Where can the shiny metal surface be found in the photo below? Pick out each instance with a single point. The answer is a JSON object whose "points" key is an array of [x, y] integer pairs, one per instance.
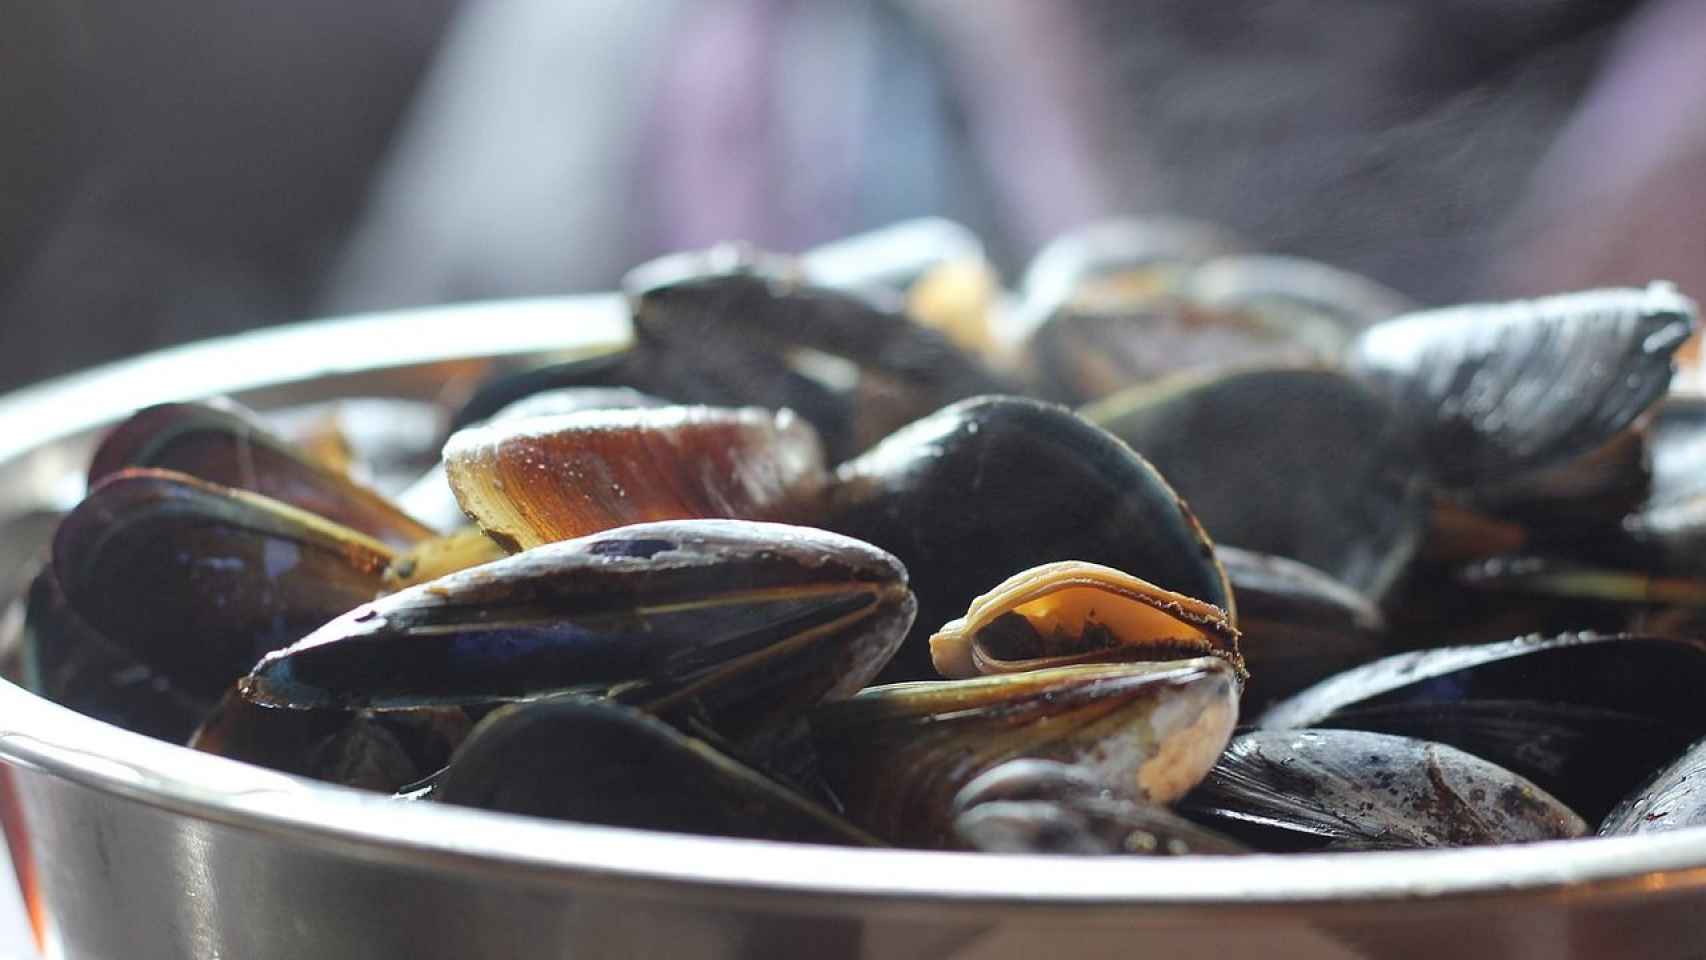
{"points": [[130, 847]]}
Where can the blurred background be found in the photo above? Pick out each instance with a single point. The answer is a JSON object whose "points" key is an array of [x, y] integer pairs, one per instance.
{"points": [[183, 168]]}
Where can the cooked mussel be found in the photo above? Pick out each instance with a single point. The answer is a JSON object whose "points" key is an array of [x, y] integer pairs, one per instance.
{"points": [[1076, 612], [739, 623], [1283, 790], [898, 755], [1305, 464], [196, 581], [539, 480], [1673, 798], [71, 663], [1498, 390], [1040, 806], [594, 761], [1584, 716], [989, 487], [753, 322], [225, 446]]}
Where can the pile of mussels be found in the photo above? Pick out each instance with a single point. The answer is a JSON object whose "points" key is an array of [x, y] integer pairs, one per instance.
{"points": [[850, 548]]}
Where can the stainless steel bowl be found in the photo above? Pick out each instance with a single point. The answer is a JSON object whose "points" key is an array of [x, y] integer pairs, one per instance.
{"points": [[127, 847]]}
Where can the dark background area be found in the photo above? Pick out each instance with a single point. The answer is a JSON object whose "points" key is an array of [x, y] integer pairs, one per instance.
{"points": [[182, 168]]}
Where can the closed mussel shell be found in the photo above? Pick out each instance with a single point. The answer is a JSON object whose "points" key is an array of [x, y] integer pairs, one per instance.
{"points": [[987, 488], [1584, 716], [1345, 789], [1498, 390], [898, 755], [225, 446], [593, 761], [1305, 464], [745, 623], [539, 480], [197, 582]]}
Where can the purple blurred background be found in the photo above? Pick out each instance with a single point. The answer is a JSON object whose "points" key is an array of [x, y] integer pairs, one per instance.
{"points": [[177, 169]]}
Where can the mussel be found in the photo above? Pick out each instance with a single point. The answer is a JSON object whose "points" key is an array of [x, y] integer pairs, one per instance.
{"points": [[196, 582], [576, 758], [1673, 798], [741, 624], [1498, 390], [1586, 717], [1350, 790], [1334, 453], [538, 480], [898, 755], [226, 446], [1046, 485]]}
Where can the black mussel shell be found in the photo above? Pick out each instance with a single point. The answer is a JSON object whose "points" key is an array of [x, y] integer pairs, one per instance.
{"points": [[751, 317], [1498, 390], [988, 487], [198, 582], [1673, 798], [1039, 806], [383, 752], [742, 623], [1283, 790], [1297, 624], [898, 755], [593, 761], [69, 662], [225, 446], [1584, 716], [1305, 464]]}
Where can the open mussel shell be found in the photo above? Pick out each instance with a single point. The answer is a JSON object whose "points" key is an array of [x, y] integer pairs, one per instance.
{"points": [[1296, 624], [1047, 485], [898, 755], [543, 479], [383, 752], [197, 581], [1240, 445], [593, 761], [894, 258], [1497, 390], [224, 446], [1673, 798], [741, 623], [1584, 716], [1040, 806], [69, 662], [1347, 789], [1075, 612]]}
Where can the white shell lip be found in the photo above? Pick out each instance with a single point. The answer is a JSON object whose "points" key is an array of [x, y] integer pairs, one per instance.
{"points": [[953, 650]]}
